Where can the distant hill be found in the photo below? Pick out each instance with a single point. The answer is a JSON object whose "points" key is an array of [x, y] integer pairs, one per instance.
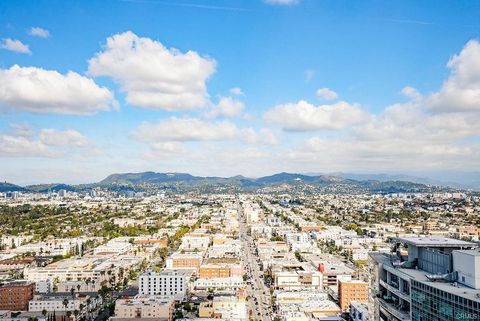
{"points": [[8, 187], [148, 177], [389, 178], [45, 188], [183, 181], [281, 183]]}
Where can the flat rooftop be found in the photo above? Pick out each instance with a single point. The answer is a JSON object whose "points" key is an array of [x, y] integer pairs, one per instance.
{"points": [[434, 241], [419, 275]]}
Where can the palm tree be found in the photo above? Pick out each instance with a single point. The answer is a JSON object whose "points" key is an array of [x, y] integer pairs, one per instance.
{"points": [[89, 302], [65, 303]]}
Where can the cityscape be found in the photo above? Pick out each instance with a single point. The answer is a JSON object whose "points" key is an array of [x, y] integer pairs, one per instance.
{"points": [[239, 160]]}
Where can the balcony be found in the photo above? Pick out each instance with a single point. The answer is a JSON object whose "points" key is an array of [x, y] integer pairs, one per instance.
{"points": [[392, 309], [395, 291]]}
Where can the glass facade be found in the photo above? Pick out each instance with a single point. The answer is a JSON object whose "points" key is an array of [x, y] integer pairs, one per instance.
{"points": [[432, 304]]}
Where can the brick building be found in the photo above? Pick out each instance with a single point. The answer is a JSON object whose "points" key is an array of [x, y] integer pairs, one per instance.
{"points": [[15, 295]]}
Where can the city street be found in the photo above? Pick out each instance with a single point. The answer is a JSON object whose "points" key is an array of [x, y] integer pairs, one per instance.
{"points": [[259, 294]]}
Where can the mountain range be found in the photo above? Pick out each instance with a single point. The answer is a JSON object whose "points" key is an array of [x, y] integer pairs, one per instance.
{"points": [[281, 182]]}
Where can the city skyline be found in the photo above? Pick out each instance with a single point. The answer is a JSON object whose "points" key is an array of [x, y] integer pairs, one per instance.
{"points": [[242, 87]]}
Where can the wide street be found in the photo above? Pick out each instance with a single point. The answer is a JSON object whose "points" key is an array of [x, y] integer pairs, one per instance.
{"points": [[259, 293]]}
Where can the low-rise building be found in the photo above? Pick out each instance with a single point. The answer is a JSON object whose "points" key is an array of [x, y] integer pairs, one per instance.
{"points": [[144, 307]]}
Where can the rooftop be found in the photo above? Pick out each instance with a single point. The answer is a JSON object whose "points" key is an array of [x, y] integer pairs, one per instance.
{"points": [[419, 275], [434, 241]]}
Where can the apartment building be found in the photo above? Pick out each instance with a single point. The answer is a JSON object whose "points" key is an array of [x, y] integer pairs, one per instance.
{"points": [[144, 307], [427, 278], [353, 290], [166, 283], [56, 303], [15, 295], [184, 261]]}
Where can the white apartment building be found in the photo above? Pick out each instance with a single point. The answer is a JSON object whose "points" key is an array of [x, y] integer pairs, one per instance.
{"points": [[231, 283], [166, 283], [44, 286], [55, 303], [118, 245], [195, 243]]}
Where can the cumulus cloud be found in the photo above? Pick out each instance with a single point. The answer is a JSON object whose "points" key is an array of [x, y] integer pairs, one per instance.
{"points": [[23, 142], [39, 32], [326, 93], [432, 131], [152, 75], [15, 46], [36, 90], [20, 146], [461, 91], [73, 138], [227, 107], [303, 116], [166, 137], [186, 129], [165, 150]]}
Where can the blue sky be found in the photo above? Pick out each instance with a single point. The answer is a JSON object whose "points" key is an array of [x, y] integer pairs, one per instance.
{"points": [[277, 54]]}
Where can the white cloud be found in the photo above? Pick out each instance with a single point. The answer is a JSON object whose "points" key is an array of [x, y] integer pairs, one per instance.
{"points": [[185, 129], [166, 138], [281, 2], [168, 147], [403, 137], [461, 91], [165, 150], [267, 137], [36, 90], [411, 93], [152, 75], [303, 116], [326, 93], [433, 131], [237, 91], [20, 146], [16, 46], [69, 137], [48, 143], [227, 107], [39, 32]]}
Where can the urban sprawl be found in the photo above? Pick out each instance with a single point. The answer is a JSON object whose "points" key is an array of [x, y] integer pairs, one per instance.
{"points": [[99, 255]]}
